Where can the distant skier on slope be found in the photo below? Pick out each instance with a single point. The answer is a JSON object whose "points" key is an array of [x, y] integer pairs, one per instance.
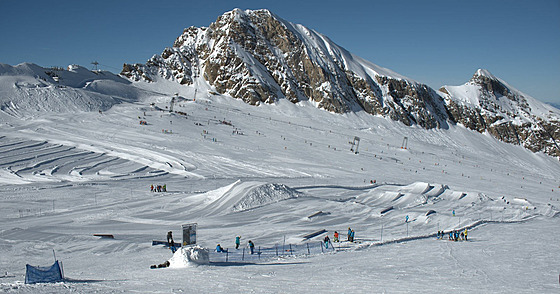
{"points": [[465, 232], [349, 234], [336, 236]]}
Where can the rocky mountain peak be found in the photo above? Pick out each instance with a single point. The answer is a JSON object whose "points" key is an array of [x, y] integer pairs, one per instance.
{"points": [[258, 57]]}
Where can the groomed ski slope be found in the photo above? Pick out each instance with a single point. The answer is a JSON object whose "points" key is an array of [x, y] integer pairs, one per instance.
{"points": [[260, 172]]}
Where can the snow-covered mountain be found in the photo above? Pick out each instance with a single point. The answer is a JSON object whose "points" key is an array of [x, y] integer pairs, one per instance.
{"points": [[488, 104], [258, 57]]}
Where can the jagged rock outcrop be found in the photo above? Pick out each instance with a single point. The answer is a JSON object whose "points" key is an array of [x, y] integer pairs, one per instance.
{"points": [[260, 58], [488, 104]]}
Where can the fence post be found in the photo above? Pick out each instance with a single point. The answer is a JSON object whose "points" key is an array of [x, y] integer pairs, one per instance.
{"points": [[308, 249], [276, 249], [322, 250], [227, 254], [243, 256], [291, 252], [259, 253]]}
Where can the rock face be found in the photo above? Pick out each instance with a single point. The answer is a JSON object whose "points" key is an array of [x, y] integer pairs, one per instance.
{"points": [[260, 58], [488, 104]]}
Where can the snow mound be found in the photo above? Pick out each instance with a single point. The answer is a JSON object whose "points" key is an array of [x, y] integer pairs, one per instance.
{"points": [[241, 196], [418, 193], [188, 256], [265, 194]]}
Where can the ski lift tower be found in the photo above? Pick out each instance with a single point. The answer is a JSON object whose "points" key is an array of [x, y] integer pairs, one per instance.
{"points": [[355, 143], [404, 144], [95, 63]]}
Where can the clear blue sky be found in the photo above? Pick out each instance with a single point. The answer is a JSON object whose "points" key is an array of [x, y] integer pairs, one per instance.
{"points": [[434, 42]]}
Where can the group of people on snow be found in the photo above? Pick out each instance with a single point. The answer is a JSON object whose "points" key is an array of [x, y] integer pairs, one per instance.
{"points": [[158, 188], [250, 245], [454, 235], [350, 235]]}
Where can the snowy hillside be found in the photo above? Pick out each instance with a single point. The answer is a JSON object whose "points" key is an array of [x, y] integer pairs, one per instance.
{"points": [[258, 57], [28, 88], [272, 174]]}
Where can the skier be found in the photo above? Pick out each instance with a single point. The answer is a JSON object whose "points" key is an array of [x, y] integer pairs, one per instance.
{"points": [[349, 234], [327, 240], [152, 188], [450, 235], [165, 188], [465, 232], [237, 242], [251, 246], [336, 236], [352, 236]]}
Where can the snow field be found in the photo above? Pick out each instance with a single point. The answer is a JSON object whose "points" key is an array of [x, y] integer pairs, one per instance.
{"points": [[67, 176]]}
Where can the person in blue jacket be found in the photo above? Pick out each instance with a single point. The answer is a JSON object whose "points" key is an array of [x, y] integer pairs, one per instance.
{"points": [[237, 242], [251, 246], [349, 234], [220, 249]]}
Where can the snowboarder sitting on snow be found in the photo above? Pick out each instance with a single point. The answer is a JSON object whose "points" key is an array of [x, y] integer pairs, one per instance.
{"points": [[251, 246], [220, 249]]}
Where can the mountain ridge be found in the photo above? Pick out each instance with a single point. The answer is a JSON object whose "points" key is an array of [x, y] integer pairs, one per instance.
{"points": [[258, 57]]}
